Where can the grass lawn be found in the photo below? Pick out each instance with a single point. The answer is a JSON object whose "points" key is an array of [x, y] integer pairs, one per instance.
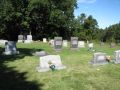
{"points": [[19, 72]]}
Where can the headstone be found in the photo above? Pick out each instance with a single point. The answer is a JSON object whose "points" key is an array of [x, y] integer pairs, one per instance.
{"points": [[44, 40], [51, 42], [74, 43], [47, 61], [58, 43], [81, 44], [112, 45], [10, 48], [101, 43], [2, 42], [99, 59], [117, 56], [20, 38], [29, 39], [40, 53], [65, 43], [90, 46]]}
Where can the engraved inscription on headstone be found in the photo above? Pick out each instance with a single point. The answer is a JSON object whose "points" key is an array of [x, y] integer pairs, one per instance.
{"points": [[45, 62], [117, 56], [57, 43], [99, 59], [74, 42]]}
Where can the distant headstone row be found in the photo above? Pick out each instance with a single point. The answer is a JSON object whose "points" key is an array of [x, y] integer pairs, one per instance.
{"points": [[25, 38]]}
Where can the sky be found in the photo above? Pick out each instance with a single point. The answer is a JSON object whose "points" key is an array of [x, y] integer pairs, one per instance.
{"points": [[106, 12]]}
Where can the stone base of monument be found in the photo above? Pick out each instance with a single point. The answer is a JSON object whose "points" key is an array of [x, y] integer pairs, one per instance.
{"points": [[11, 52], [47, 61], [99, 59], [27, 41], [20, 41]]}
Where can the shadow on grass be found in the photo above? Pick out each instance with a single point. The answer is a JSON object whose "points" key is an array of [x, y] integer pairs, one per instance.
{"points": [[11, 79]]}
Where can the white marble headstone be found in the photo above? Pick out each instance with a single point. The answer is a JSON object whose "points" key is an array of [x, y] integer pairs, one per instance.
{"points": [[65, 43], [54, 59], [44, 40], [2, 42], [29, 39], [117, 56], [81, 44]]}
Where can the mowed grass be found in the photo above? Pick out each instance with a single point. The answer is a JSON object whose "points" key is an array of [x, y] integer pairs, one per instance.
{"points": [[79, 74]]}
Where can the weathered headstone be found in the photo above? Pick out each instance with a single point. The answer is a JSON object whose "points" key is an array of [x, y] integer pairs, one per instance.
{"points": [[40, 53], [90, 47], [47, 61], [74, 43], [117, 56], [99, 59], [81, 44], [2, 42], [58, 43], [44, 40], [29, 39], [112, 45], [51, 42], [10, 48], [20, 38], [65, 43], [101, 43]]}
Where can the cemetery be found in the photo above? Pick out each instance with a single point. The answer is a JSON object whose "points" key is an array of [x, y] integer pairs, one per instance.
{"points": [[59, 45], [66, 66]]}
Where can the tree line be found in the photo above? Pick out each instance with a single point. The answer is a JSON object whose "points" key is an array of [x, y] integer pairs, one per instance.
{"points": [[49, 18]]}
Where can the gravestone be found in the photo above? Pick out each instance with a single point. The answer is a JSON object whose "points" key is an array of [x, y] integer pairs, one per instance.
{"points": [[90, 47], [29, 39], [117, 56], [58, 43], [40, 53], [2, 42], [65, 43], [48, 60], [10, 48], [81, 44], [112, 45], [20, 38], [74, 43], [101, 43], [51, 42], [99, 59], [44, 40]]}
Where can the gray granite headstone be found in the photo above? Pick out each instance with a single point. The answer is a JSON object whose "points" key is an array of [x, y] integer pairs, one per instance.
{"points": [[58, 43], [117, 56], [40, 53], [46, 61], [74, 43], [10, 48], [20, 38], [99, 59]]}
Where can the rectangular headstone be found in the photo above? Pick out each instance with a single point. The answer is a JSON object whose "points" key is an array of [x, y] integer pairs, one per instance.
{"points": [[10, 48], [90, 46], [81, 44], [99, 59], [44, 40], [65, 43], [46, 61], [58, 43], [29, 39], [2, 42], [74, 43], [20, 38], [117, 56]]}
